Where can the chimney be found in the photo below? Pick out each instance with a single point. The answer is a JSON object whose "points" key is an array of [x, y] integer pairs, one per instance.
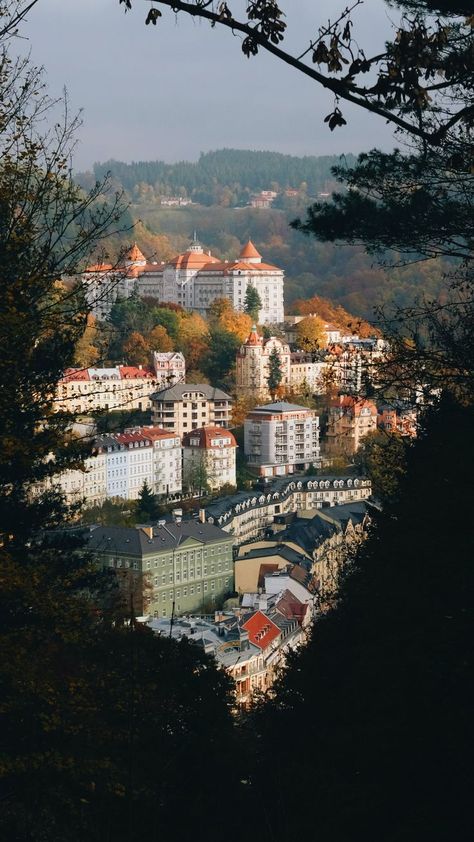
{"points": [[177, 515], [202, 516]]}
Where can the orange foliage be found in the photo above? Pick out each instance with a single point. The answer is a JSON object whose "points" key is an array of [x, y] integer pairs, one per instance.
{"points": [[310, 333], [334, 314], [136, 349], [159, 339]]}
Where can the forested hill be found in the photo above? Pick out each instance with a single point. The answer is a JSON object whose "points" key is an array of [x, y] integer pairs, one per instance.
{"points": [[219, 186], [240, 171]]}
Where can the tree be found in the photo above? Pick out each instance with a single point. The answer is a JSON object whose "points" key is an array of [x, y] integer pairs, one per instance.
{"points": [[275, 373], [219, 361], [420, 82], [86, 352], [136, 350], [76, 670], [310, 334], [159, 340], [252, 303], [147, 505], [386, 669], [382, 456]]}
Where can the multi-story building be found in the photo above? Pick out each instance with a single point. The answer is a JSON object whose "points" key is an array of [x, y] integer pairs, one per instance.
{"points": [[84, 390], [209, 458], [169, 367], [398, 418], [183, 566], [120, 465], [248, 514], [298, 368], [350, 419], [193, 279], [281, 438], [187, 406]]}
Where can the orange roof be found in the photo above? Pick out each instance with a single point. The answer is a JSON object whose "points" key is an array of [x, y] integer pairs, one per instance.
{"points": [[157, 433], [76, 374], [206, 435], [192, 259], [249, 250], [132, 372], [262, 631], [134, 254], [99, 267], [235, 265], [254, 338]]}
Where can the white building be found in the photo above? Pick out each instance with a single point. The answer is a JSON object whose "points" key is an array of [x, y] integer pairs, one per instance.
{"points": [[280, 438], [187, 406], [193, 279], [209, 452], [298, 368], [169, 367]]}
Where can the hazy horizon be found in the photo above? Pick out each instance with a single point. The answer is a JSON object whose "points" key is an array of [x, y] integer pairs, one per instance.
{"points": [[178, 89]]}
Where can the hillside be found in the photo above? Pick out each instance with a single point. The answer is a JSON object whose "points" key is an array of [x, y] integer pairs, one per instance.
{"points": [[219, 184]]}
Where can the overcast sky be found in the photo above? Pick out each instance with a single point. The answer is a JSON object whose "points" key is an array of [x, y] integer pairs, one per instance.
{"points": [[171, 91]]}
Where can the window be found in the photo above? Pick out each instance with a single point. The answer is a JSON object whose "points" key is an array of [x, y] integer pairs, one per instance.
{"points": [[213, 585], [178, 594], [198, 588], [185, 591], [205, 587]]}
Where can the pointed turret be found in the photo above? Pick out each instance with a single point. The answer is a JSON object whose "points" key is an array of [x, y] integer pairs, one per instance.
{"points": [[249, 253]]}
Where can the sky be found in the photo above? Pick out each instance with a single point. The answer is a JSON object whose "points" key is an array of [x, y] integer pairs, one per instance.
{"points": [[181, 88]]}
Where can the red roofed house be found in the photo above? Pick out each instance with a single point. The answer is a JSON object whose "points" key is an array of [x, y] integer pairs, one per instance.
{"points": [[350, 419], [209, 458], [263, 632]]}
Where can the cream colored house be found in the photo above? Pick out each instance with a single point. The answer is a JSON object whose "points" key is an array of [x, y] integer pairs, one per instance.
{"points": [[188, 406]]}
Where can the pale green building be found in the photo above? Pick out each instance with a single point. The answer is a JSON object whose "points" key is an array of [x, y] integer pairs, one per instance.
{"points": [[189, 563]]}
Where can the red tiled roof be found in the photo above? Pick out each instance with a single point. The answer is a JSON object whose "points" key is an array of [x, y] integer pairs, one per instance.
{"points": [[249, 250], [76, 374], [254, 338], [99, 267], [192, 260], [262, 631], [134, 253], [157, 433], [133, 372], [130, 438], [291, 607], [207, 434]]}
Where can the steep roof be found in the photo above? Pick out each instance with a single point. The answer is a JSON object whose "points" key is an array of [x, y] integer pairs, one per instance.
{"points": [[249, 250], [262, 631], [134, 254]]}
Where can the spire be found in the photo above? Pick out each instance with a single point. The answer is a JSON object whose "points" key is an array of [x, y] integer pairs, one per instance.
{"points": [[195, 246], [250, 254]]}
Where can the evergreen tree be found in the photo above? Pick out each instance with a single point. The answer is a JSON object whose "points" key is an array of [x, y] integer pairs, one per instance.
{"points": [[147, 505], [275, 373], [252, 302]]}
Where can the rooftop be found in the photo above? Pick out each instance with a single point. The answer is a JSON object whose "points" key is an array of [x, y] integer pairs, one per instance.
{"points": [[135, 541]]}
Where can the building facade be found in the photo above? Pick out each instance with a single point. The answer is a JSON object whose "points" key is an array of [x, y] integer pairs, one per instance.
{"points": [[350, 419], [188, 406], [181, 566], [247, 515], [193, 279], [298, 368], [281, 438], [209, 458]]}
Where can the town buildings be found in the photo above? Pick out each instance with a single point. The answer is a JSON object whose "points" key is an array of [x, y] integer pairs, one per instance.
{"points": [[122, 463], [350, 419], [299, 369], [247, 515], [281, 438], [193, 279], [122, 387], [180, 567], [187, 406], [209, 459]]}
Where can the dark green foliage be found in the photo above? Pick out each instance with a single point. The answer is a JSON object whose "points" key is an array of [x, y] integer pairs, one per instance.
{"points": [[240, 170], [115, 422], [252, 302], [382, 456], [148, 507], [275, 373], [383, 690], [220, 358]]}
